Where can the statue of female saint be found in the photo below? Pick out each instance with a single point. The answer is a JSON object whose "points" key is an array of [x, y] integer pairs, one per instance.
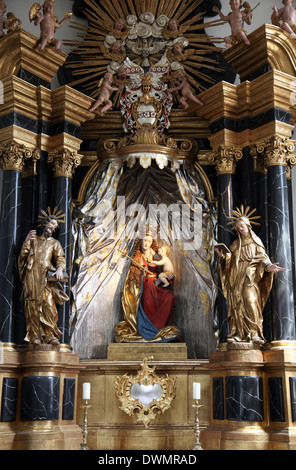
{"points": [[147, 307], [246, 274]]}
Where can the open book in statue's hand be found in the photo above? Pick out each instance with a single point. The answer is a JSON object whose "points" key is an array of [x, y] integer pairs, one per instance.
{"points": [[222, 247]]}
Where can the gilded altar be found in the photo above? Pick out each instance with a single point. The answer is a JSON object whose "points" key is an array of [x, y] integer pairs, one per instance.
{"points": [[147, 136]]}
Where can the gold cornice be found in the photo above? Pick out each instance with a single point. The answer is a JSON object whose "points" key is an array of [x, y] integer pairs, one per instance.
{"points": [[18, 51], [19, 96], [71, 105], [270, 45], [19, 135], [248, 99], [61, 141]]}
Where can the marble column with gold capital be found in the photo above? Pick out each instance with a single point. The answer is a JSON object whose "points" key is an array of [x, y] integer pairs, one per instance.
{"points": [[224, 158], [277, 152], [64, 163], [13, 157]]}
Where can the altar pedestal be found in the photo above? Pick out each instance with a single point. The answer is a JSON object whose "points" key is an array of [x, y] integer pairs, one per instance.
{"points": [[252, 399], [38, 398], [159, 351]]}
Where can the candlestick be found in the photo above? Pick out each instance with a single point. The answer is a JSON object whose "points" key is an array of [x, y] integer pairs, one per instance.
{"points": [[83, 445], [197, 444]]}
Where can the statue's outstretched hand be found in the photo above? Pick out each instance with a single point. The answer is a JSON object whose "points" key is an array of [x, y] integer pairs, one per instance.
{"points": [[274, 268]]}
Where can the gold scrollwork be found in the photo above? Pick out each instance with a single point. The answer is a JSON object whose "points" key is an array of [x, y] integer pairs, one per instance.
{"points": [[14, 155], [64, 162], [276, 151], [145, 395], [225, 158]]}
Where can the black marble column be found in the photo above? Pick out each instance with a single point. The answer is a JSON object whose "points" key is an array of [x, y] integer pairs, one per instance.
{"points": [[282, 296], [10, 244], [260, 203], [225, 159], [292, 232], [225, 235], [64, 164], [62, 199]]}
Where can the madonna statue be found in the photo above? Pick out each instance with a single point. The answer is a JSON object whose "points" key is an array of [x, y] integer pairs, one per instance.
{"points": [[147, 307]]}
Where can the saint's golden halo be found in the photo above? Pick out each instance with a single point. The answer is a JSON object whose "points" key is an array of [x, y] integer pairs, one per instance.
{"points": [[56, 214], [240, 212]]}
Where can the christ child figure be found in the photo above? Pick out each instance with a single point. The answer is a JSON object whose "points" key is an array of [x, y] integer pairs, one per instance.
{"points": [[185, 89], [48, 25], [236, 21], [288, 16], [167, 266]]}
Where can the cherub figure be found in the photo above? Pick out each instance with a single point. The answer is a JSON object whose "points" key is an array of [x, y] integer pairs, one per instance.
{"points": [[236, 20], [105, 93], [119, 30], [115, 52], [178, 53], [172, 30], [184, 87], [48, 24], [167, 266], [287, 15]]}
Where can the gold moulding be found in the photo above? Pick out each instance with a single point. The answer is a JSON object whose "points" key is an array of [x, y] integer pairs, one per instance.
{"points": [[148, 141], [18, 51]]}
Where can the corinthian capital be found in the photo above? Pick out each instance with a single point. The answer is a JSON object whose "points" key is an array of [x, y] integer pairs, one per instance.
{"points": [[64, 162], [13, 156], [225, 158], [276, 151]]}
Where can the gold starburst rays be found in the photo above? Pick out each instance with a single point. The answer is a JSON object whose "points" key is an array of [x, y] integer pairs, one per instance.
{"points": [[243, 212], [56, 214], [90, 56]]}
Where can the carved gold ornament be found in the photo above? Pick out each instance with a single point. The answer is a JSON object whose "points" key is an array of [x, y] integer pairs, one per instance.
{"points": [[64, 162], [14, 155], [276, 151], [225, 158], [145, 395]]}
